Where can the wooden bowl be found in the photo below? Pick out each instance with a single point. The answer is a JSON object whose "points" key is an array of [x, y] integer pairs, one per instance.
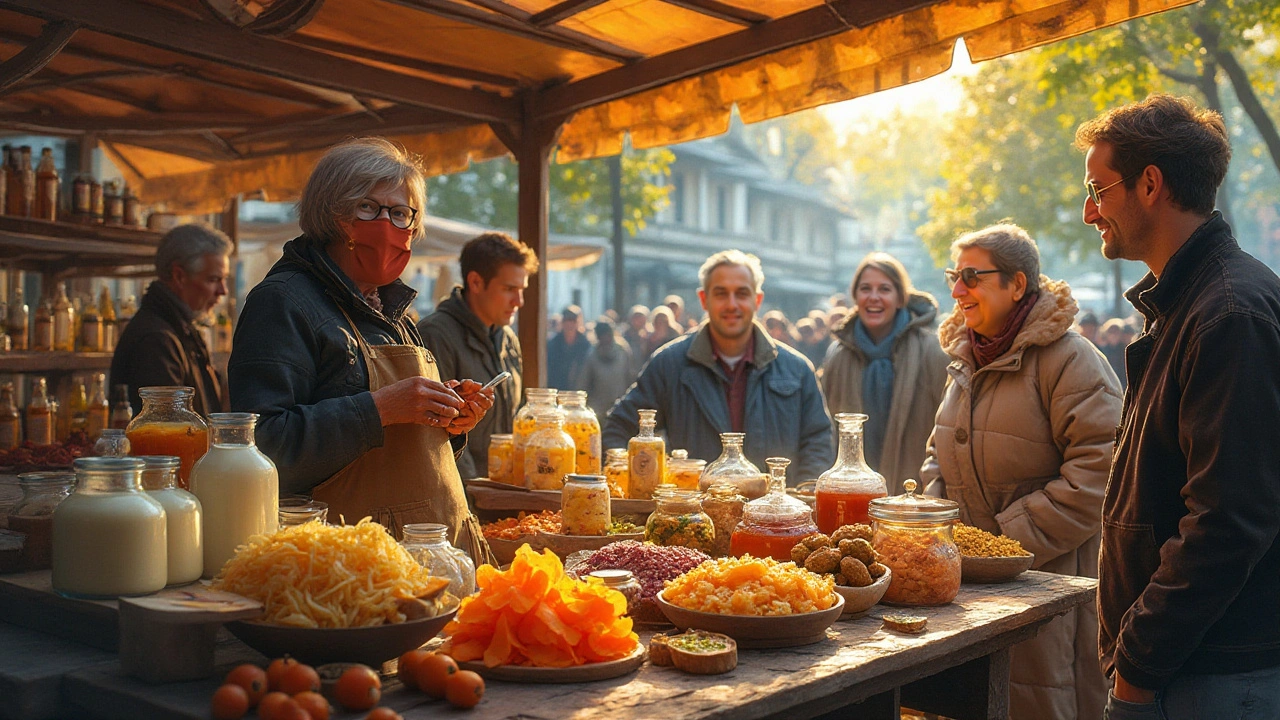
{"points": [[758, 631], [860, 599], [994, 570], [371, 646], [565, 545]]}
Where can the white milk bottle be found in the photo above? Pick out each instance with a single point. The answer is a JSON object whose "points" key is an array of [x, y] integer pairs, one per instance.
{"points": [[182, 511], [109, 537], [238, 488]]}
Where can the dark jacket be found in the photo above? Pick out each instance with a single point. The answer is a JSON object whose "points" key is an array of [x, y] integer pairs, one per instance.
{"points": [[465, 348], [1190, 567], [785, 415], [296, 364], [565, 360], [161, 346]]}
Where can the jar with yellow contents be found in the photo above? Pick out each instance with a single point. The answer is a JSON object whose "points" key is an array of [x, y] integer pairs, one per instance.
{"points": [[501, 449], [647, 458], [683, 471], [537, 400], [583, 426], [584, 505], [617, 472], [549, 454]]}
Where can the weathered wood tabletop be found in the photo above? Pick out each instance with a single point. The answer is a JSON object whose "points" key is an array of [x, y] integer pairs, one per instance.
{"points": [[958, 668]]}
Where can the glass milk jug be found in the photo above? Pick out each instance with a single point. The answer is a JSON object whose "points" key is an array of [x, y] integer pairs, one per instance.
{"points": [[182, 514], [844, 491], [238, 487]]}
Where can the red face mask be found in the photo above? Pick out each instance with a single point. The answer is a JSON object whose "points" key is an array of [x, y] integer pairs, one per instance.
{"points": [[381, 250]]}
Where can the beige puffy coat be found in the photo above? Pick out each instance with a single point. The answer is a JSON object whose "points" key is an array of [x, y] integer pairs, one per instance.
{"points": [[1024, 445]]}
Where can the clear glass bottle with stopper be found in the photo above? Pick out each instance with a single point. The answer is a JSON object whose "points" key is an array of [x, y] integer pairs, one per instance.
{"points": [[773, 524], [844, 492], [734, 468], [647, 458]]}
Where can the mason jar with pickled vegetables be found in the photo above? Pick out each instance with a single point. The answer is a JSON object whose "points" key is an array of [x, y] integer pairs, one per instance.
{"points": [[501, 449], [549, 454], [538, 401], [584, 505], [913, 537], [583, 426]]}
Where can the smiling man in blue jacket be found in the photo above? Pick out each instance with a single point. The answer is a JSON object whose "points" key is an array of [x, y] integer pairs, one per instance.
{"points": [[730, 376]]}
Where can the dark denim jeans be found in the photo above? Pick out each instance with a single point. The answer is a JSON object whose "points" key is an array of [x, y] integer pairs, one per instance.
{"points": [[1244, 696]]}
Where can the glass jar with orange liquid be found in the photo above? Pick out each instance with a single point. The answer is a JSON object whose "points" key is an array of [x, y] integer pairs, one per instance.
{"points": [[844, 491], [525, 424], [168, 425], [773, 524], [583, 426]]}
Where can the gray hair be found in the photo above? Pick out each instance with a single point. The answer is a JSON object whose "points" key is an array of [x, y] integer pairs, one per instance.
{"points": [[1012, 251], [732, 257], [348, 173], [187, 245]]}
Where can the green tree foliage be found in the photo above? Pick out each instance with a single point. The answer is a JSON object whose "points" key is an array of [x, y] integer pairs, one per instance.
{"points": [[485, 193]]}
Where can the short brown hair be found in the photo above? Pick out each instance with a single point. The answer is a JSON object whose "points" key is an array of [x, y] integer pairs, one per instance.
{"points": [[486, 254], [891, 267], [1189, 146]]}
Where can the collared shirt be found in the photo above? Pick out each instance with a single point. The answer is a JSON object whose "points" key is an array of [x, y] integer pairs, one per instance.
{"points": [[736, 384]]}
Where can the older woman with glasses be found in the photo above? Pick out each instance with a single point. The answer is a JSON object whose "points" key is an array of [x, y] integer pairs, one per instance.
{"points": [[1022, 441], [352, 408]]}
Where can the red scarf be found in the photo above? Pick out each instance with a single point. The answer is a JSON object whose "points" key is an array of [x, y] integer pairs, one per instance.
{"points": [[987, 349]]}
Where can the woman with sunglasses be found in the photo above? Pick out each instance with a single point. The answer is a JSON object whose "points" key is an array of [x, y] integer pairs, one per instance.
{"points": [[886, 362], [1023, 442], [352, 408]]}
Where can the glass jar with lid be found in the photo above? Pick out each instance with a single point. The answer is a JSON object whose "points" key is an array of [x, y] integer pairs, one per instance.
{"points": [[646, 458], [584, 505], [733, 466], [844, 492], [109, 537], [724, 506], [622, 581], [238, 487], [113, 443], [501, 447], [168, 425], [549, 453], [428, 545], [679, 521], [773, 524], [617, 472], [913, 536], [583, 426], [42, 492], [185, 536], [538, 401], [683, 471], [300, 509]]}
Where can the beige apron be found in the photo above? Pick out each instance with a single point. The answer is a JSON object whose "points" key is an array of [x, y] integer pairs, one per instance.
{"points": [[413, 477]]}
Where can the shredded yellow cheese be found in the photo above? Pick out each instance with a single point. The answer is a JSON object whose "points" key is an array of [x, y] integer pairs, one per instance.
{"points": [[320, 576]]}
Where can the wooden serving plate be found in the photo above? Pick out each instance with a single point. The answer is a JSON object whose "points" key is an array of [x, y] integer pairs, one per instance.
{"points": [[758, 631], [994, 570], [577, 674]]}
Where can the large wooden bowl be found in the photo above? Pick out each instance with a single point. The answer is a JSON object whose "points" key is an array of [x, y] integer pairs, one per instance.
{"points": [[758, 631], [995, 569], [318, 646]]}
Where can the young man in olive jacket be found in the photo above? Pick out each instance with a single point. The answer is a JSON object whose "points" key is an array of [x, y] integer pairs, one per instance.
{"points": [[470, 334], [1189, 583]]}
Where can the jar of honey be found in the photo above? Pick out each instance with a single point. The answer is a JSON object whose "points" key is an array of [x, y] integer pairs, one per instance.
{"points": [[525, 424], [501, 447], [168, 425], [583, 426], [773, 524]]}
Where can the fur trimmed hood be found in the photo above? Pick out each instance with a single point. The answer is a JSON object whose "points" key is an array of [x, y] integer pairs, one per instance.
{"points": [[1049, 320]]}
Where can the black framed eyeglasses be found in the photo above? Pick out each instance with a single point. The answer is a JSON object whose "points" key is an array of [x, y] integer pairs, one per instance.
{"points": [[1095, 192], [969, 275], [402, 216]]}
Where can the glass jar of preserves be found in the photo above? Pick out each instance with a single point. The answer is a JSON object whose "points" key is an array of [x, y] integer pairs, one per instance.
{"points": [[549, 453], [680, 521], [184, 534], [617, 472], [584, 505], [300, 509], [427, 544], [238, 487], [683, 471], [168, 425], [844, 492], [537, 401], [501, 449], [913, 536], [42, 492], [109, 537], [773, 524], [646, 458], [622, 581], [583, 426], [724, 506], [733, 466]]}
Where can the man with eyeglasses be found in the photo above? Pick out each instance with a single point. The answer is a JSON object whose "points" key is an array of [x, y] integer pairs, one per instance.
{"points": [[1189, 582]]}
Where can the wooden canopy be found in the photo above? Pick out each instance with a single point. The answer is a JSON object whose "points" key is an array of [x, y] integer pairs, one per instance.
{"points": [[199, 100]]}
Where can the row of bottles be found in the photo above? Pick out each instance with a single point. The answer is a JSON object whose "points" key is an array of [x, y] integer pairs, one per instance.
{"points": [[66, 325], [37, 192], [47, 421]]}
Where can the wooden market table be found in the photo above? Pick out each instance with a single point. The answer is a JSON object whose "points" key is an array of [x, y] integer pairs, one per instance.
{"points": [[958, 668]]}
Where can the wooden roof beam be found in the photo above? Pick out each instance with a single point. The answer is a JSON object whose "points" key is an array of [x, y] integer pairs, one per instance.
{"points": [[179, 33], [435, 68], [562, 10], [722, 11], [31, 59]]}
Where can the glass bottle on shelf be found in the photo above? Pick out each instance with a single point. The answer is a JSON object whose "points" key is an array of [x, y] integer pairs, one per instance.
{"points": [[583, 426], [733, 467], [185, 534], [844, 491], [617, 472], [121, 410], [90, 328], [167, 425], [10, 419], [724, 506], [98, 414], [773, 524], [42, 330], [549, 453], [427, 544], [46, 195], [584, 505], [32, 516], [19, 320], [63, 319], [112, 443], [39, 418], [678, 521], [913, 538], [647, 458], [78, 409], [683, 471], [537, 400], [238, 487], [107, 313]]}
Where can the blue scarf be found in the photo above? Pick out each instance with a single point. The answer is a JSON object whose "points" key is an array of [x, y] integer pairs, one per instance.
{"points": [[877, 383]]}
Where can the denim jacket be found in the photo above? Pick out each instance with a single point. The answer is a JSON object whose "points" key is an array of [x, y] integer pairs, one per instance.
{"points": [[785, 413]]}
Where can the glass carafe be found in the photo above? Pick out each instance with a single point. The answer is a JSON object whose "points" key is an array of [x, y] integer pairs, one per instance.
{"points": [[583, 426], [678, 521], [773, 524], [683, 471], [537, 401], [647, 458], [42, 492], [733, 467], [427, 545], [844, 491], [617, 472], [238, 487], [913, 538], [182, 518], [549, 453], [168, 425], [109, 537]]}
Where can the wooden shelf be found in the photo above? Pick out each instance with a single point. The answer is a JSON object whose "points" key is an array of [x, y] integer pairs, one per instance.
{"points": [[63, 248], [50, 362]]}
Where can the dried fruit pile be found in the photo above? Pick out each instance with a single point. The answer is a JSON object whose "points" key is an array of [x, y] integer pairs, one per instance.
{"points": [[846, 555], [535, 614], [652, 566]]}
